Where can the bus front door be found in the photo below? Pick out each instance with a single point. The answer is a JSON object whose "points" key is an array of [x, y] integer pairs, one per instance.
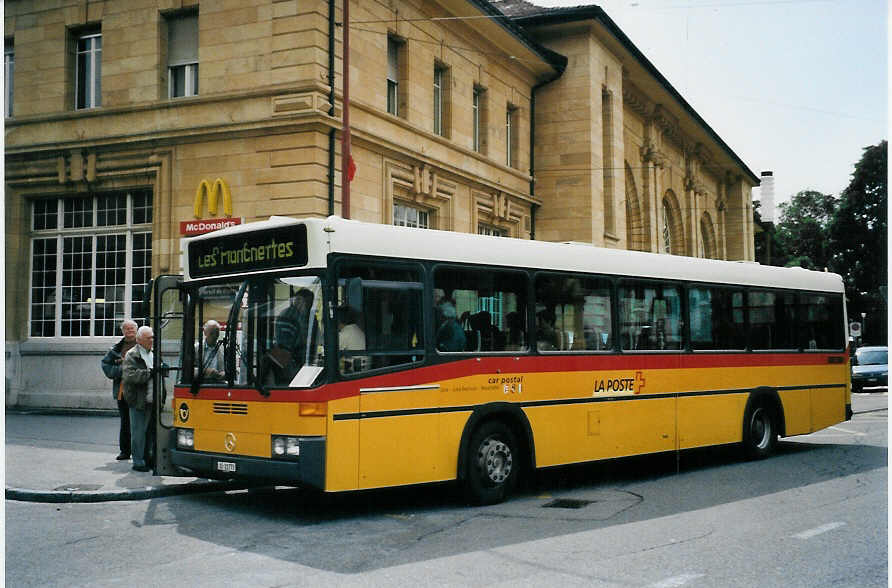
{"points": [[167, 322]]}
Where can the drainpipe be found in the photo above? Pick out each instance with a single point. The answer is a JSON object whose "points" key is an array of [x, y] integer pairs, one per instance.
{"points": [[534, 207], [331, 110], [345, 97]]}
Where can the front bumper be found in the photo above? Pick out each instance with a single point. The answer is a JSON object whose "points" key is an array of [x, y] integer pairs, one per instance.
{"points": [[870, 381], [308, 470]]}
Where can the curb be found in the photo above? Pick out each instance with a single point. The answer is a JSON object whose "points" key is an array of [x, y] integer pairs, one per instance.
{"points": [[57, 496], [870, 410], [30, 410]]}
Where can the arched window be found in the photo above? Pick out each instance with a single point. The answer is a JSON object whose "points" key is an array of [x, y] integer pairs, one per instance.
{"points": [[635, 231], [707, 234], [671, 228]]}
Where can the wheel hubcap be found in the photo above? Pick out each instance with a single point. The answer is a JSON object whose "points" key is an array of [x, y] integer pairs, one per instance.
{"points": [[760, 428], [495, 460]]}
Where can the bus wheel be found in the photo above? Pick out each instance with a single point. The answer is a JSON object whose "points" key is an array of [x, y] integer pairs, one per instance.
{"points": [[759, 431], [492, 465]]}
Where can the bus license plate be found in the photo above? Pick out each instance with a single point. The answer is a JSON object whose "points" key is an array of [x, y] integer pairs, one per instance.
{"points": [[225, 466]]}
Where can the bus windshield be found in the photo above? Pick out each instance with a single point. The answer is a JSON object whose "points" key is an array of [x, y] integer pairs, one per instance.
{"points": [[263, 332]]}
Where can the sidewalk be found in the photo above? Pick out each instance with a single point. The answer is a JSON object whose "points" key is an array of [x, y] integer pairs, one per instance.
{"points": [[70, 457]]}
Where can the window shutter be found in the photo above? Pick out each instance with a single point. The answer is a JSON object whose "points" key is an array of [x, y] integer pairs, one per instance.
{"points": [[182, 40]]}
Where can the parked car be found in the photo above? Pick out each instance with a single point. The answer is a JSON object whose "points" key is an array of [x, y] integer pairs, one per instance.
{"points": [[870, 368]]}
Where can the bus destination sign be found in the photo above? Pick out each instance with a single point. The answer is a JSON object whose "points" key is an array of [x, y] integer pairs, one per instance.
{"points": [[281, 248]]}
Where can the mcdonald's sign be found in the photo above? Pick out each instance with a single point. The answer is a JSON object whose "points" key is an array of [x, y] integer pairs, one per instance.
{"points": [[215, 192], [219, 188]]}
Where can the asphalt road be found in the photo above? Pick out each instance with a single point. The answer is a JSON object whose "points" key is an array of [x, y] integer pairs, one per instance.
{"points": [[815, 514]]}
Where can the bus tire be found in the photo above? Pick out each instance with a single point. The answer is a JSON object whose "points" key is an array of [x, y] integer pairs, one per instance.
{"points": [[760, 429], [492, 465]]}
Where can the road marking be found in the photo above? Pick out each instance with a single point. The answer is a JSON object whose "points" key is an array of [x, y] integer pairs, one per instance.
{"points": [[818, 530], [676, 581]]}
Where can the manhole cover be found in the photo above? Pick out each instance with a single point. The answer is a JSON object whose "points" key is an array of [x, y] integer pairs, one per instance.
{"points": [[78, 487], [567, 503]]}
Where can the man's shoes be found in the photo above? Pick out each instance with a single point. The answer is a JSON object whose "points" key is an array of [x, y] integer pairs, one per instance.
{"points": [[123, 456], [140, 468]]}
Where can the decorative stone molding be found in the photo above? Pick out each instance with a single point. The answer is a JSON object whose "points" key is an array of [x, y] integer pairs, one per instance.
{"points": [[499, 210], [635, 100], [651, 154], [693, 184], [421, 185], [668, 124], [302, 103]]}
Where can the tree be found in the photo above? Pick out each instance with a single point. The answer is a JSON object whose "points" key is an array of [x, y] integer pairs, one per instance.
{"points": [[858, 241], [803, 229]]}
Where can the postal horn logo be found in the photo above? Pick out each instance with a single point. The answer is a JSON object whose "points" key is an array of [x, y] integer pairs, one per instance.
{"points": [[184, 412], [214, 192], [229, 442]]}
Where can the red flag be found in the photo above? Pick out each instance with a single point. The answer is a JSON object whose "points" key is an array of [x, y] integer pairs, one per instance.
{"points": [[351, 169]]}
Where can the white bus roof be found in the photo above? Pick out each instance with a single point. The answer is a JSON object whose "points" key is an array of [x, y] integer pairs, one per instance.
{"points": [[380, 240]]}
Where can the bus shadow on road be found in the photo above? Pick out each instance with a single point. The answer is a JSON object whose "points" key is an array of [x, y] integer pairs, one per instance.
{"points": [[368, 530]]}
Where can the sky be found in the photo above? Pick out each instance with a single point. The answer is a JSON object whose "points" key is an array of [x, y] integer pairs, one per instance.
{"points": [[798, 87]]}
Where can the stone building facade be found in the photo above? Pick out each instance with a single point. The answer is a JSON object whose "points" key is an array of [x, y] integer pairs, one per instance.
{"points": [[528, 123]]}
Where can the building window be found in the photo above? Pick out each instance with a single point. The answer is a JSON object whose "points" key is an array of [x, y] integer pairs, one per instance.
{"points": [[88, 71], [409, 216], [439, 98], [8, 79], [481, 119], [607, 161], [477, 113], [91, 260], [393, 75], [511, 136], [182, 55], [667, 228], [486, 229]]}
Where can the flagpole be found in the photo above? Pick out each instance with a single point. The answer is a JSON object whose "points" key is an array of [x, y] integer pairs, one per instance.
{"points": [[345, 142]]}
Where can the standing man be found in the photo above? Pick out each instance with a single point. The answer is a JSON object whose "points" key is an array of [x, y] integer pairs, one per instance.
{"points": [[137, 368], [112, 367]]}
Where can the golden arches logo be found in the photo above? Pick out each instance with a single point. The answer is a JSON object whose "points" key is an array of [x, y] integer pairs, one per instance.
{"points": [[213, 192]]}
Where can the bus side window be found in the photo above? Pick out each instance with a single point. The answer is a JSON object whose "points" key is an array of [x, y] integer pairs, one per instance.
{"points": [[650, 317], [716, 319], [772, 320], [573, 313], [819, 316], [479, 311], [383, 303]]}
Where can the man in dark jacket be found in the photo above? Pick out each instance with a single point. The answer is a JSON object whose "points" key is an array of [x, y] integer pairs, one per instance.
{"points": [[137, 376], [112, 367]]}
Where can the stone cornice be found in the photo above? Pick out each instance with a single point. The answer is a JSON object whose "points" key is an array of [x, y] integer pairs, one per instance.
{"points": [[636, 100], [162, 122]]}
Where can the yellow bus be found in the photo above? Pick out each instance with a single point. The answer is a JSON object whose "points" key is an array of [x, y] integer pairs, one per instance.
{"points": [[353, 355]]}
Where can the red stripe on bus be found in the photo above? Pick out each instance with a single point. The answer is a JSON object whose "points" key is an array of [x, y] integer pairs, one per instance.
{"points": [[515, 365]]}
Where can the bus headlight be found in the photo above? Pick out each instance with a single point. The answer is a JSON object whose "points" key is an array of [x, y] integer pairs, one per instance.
{"points": [[185, 438], [285, 447]]}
